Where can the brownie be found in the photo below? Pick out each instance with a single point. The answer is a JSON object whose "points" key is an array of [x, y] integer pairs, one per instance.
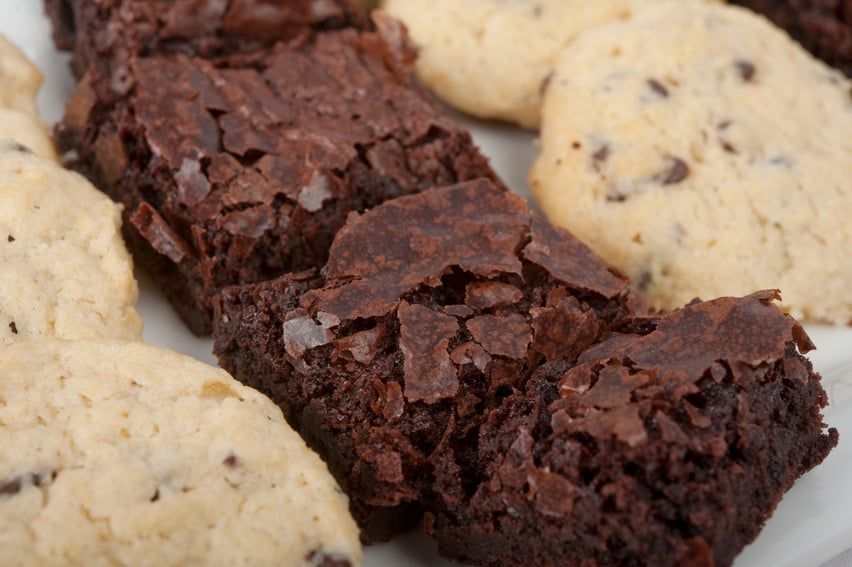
{"points": [[670, 444], [823, 27], [429, 312], [462, 362], [97, 31], [239, 168]]}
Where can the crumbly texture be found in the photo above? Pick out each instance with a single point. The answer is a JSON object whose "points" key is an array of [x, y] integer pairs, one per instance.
{"points": [[431, 309], [493, 58], [123, 454], [668, 445], [99, 32], [460, 357], [824, 27], [64, 269], [21, 80], [706, 154], [240, 168]]}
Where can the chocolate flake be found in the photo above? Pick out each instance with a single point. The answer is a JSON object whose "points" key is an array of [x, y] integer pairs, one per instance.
{"points": [[658, 88], [503, 336], [746, 69], [678, 172], [11, 487], [430, 374], [600, 156]]}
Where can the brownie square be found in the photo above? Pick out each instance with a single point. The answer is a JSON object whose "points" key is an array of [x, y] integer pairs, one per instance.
{"points": [[241, 167], [462, 362], [432, 309], [669, 444]]}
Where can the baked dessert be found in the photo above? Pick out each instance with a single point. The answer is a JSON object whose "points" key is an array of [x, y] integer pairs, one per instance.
{"points": [[669, 442], [241, 167], [458, 356], [493, 58], [121, 454], [428, 312], [105, 31], [706, 154], [20, 82], [21, 79], [64, 269], [824, 27]]}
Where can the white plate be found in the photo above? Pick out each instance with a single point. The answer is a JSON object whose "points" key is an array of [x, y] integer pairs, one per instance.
{"points": [[811, 525]]}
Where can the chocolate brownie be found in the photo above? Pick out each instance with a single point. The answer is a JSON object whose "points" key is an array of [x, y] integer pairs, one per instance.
{"points": [[460, 357], [823, 27], [670, 444], [241, 167], [432, 309], [100, 30]]}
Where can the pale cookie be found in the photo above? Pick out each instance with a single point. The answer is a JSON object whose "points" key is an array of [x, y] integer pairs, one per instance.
{"points": [[492, 58], [706, 154], [125, 454], [20, 80], [28, 130], [64, 270]]}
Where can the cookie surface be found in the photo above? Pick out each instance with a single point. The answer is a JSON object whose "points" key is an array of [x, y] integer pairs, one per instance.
{"points": [[64, 270], [21, 80], [125, 454], [706, 154], [824, 27], [492, 58]]}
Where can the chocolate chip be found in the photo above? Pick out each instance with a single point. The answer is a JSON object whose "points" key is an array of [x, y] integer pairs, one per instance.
{"points": [[678, 172], [601, 154], [11, 487], [746, 70], [13, 327], [155, 497], [10, 238], [231, 461], [616, 197], [728, 147], [658, 88], [576, 145]]}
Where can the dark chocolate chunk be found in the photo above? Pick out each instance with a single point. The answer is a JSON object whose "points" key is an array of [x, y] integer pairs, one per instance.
{"points": [[677, 173], [13, 327], [658, 87], [11, 487], [746, 69]]}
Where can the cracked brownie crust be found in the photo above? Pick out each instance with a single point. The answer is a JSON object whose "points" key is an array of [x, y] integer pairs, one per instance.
{"points": [[432, 308], [242, 167], [461, 362]]}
